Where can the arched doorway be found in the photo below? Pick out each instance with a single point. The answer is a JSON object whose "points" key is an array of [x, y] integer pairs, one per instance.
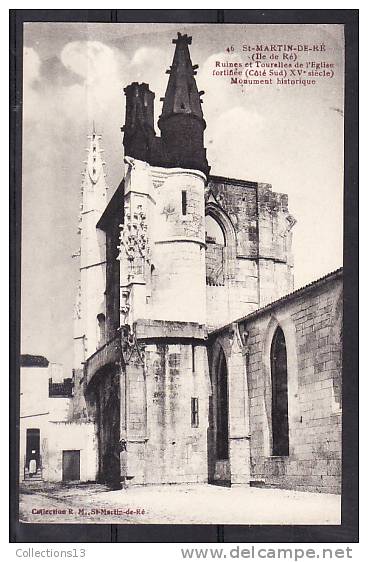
{"points": [[104, 392], [280, 410]]}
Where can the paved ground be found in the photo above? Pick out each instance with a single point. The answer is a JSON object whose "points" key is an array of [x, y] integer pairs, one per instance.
{"points": [[201, 503]]}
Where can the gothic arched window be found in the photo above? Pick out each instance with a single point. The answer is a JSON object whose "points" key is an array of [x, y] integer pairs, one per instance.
{"points": [[280, 414], [222, 409], [215, 241]]}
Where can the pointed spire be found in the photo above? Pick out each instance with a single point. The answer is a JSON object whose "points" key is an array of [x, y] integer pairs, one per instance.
{"points": [[94, 173], [94, 162], [181, 143], [181, 122], [182, 96]]}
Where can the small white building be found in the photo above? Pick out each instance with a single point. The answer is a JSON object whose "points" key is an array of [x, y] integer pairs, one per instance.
{"points": [[52, 447]]}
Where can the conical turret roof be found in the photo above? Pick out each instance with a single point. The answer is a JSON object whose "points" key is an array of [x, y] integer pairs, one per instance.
{"points": [[182, 94]]}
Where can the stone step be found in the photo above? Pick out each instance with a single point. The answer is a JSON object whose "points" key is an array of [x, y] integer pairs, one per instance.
{"points": [[30, 480], [36, 476]]}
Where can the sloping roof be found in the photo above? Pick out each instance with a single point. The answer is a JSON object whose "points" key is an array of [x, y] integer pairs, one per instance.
{"points": [[328, 277], [115, 205], [27, 360]]}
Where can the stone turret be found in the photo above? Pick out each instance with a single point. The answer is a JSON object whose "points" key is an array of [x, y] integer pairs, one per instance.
{"points": [[139, 117], [162, 240], [181, 122]]}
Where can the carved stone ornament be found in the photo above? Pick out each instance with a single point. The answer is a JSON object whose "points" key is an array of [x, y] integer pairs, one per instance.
{"points": [[124, 304], [168, 210], [78, 302], [290, 222], [132, 351], [134, 240], [122, 446], [239, 335]]}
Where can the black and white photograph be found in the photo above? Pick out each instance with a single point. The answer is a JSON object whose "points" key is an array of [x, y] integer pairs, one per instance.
{"points": [[182, 279]]}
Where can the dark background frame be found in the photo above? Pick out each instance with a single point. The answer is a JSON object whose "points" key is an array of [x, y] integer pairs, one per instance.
{"points": [[348, 530]]}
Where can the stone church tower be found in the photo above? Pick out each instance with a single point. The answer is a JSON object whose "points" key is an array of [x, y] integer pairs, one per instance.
{"points": [[90, 303], [174, 255]]}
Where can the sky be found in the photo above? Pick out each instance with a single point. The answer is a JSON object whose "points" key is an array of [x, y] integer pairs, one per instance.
{"points": [[74, 74]]}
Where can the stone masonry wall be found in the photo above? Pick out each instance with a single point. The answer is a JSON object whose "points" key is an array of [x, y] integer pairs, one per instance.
{"points": [[257, 258], [311, 322], [239, 200], [178, 284], [238, 412], [165, 447]]}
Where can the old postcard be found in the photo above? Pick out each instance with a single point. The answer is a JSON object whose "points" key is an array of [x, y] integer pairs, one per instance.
{"points": [[182, 281]]}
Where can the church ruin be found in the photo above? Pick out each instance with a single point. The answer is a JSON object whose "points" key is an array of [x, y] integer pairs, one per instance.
{"points": [[194, 359]]}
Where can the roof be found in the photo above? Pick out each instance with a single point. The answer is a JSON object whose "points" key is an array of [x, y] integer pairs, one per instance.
{"points": [[182, 96], [27, 360], [112, 207], [326, 278]]}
